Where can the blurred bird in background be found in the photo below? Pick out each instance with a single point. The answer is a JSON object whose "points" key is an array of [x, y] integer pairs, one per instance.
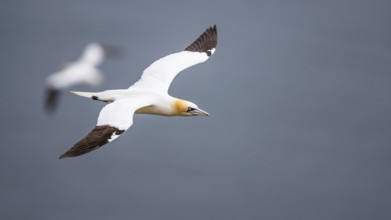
{"points": [[83, 71]]}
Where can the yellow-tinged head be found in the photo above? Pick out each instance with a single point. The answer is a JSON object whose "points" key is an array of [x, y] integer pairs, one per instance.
{"points": [[186, 108]]}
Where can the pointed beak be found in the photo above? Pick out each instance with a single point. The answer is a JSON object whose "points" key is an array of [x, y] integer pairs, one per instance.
{"points": [[200, 112]]}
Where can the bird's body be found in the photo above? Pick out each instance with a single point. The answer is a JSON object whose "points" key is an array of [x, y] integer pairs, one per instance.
{"points": [[159, 103], [149, 95]]}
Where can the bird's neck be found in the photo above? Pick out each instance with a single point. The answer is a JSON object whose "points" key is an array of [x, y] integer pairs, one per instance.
{"points": [[169, 107]]}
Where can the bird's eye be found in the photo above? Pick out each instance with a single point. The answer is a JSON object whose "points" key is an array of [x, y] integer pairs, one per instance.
{"points": [[189, 109]]}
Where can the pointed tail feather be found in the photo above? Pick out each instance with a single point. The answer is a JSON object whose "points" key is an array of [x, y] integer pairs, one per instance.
{"points": [[95, 96], [84, 94]]}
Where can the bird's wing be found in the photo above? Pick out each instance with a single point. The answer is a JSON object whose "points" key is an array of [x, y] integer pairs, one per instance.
{"points": [[93, 54], [160, 74], [77, 73], [113, 120], [51, 100]]}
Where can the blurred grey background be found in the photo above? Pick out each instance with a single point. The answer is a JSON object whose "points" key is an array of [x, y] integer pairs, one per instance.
{"points": [[298, 92]]}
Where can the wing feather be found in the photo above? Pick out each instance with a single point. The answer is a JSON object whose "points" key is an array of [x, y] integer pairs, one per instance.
{"points": [[114, 119], [160, 73], [52, 97]]}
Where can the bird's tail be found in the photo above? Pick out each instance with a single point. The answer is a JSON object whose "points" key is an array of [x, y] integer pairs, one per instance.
{"points": [[99, 96], [90, 95]]}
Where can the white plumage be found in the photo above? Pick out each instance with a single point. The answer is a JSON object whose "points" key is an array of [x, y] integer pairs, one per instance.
{"points": [[159, 75]]}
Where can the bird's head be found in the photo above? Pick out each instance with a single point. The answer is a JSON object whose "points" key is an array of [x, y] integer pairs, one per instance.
{"points": [[187, 108]]}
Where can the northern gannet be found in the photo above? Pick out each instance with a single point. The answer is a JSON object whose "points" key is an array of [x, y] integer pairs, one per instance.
{"points": [[149, 95], [83, 71]]}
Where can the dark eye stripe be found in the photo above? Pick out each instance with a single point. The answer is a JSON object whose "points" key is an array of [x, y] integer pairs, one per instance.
{"points": [[190, 109]]}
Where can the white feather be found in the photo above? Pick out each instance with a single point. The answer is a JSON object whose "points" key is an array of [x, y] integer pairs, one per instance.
{"points": [[159, 74], [120, 113]]}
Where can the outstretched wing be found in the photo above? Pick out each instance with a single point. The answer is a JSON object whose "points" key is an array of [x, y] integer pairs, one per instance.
{"points": [[51, 99], [113, 120], [160, 74]]}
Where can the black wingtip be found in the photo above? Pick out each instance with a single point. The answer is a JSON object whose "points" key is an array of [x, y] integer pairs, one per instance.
{"points": [[98, 137], [113, 51], [51, 100], [205, 42]]}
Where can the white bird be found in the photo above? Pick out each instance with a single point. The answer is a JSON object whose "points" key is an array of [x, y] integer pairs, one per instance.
{"points": [[149, 95], [83, 71]]}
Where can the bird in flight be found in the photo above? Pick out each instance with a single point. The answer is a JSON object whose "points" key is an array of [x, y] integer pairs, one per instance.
{"points": [[149, 95], [83, 71]]}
